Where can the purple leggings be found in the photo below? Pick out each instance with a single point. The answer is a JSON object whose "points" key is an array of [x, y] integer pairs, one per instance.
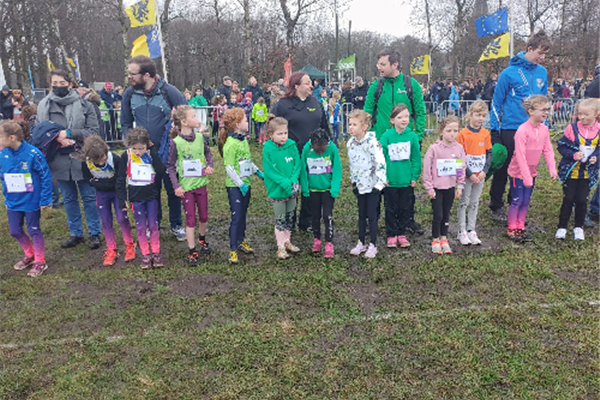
{"points": [[15, 226], [519, 204], [146, 217], [105, 202], [197, 198]]}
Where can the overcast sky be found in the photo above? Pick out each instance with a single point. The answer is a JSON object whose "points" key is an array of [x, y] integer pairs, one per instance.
{"points": [[383, 16]]}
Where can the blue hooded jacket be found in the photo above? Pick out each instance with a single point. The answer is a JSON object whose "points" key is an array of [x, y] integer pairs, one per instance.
{"points": [[27, 159], [519, 80], [454, 99]]}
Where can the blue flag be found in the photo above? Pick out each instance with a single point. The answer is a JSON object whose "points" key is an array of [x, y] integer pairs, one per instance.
{"points": [[147, 45], [492, 24]]}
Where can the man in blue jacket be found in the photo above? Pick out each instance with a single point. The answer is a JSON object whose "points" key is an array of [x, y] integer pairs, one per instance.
{"points": [[149, 101], [522, 78]]}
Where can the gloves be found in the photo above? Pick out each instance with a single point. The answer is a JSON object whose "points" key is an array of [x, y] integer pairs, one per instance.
{"points": [[260, 174], [244, 189]]}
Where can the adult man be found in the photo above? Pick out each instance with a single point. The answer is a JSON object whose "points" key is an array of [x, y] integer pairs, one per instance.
{"points": [[359, 93], [282, 87], [489, 88], [522, 78], [4, 96], [108, 96], [225, 89], [394, 91], [254, 89], [149, 101]]}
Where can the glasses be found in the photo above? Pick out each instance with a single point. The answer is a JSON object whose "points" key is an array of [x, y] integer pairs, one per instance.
{"points": [[133, 73], [543, 110]]}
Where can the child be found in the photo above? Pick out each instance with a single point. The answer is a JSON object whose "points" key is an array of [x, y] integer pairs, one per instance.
{"points": [[281, 163], [217, 115], [321, 178], [100, 169], [403, 168], [27, 189], [477, 143], [136, 184], [247, 106], [323, 99], [190, 163], [235, 150], [368, 176], [334, 114], [444, 180], [531, 140], [117, 119], [259, 116], [578, 169]]}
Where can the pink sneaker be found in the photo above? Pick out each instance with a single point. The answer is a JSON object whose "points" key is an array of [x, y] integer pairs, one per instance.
{"points": [[328, 250], [37, 269], [24, 263], [316, 246], [371, 251], [359, 249], [392, 242], [403, 241]]}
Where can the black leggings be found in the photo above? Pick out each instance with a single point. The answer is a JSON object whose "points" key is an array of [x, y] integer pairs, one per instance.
{"points": [[398, 204], [321, 203], [575, 192], [368, 208], [442, 204]]}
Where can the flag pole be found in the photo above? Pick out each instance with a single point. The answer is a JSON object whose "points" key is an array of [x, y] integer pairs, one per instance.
{"points": [[510, 29], [77, 64], [162, 49]]}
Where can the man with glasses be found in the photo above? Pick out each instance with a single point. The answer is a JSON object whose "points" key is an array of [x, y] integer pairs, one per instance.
{"points": [[148, 102], [523, 77]]}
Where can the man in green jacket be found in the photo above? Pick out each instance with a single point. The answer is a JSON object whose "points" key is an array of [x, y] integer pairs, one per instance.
{"points": [[394, 92]]}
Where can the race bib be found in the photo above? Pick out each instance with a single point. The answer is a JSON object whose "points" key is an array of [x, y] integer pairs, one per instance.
{"points": [[399, 151], [318, 166], [587, 152], [246, 168], [360, 160], [476, 163], [260, 113], [449, 167], [141, 173], [18, 183], [192, 168]]}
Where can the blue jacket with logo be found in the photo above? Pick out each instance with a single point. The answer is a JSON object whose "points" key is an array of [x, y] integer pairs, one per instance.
{"points": [[152, 112], [27, 159], [519, 80]]}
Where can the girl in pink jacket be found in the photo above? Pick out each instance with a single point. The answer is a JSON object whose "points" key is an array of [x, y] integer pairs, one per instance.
{"points": [[532, 139]]}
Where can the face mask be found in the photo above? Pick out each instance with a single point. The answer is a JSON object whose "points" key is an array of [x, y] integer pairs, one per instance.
{"points": [[60, 91]]}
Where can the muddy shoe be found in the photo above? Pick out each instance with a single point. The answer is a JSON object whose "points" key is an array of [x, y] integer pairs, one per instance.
{"points": [[499, 216], [95, 242], [403, 241], [37, 269], [291, 248], [129, 252], [436, 246], [445, 247], [157, 260], [328, 250], [193, 259], [523, 236], [110, 257], [413, 227], [72, 242], [245, 247], [204, 247], [146, 261], [233, 257], [282, 254], [358, 249], [392, 242], [316, 245], [24, 263]]}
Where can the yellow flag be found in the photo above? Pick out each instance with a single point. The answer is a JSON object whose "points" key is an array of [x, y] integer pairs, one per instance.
{"points": [[420, 65], [142, 13], [70, 60], [498, 48], [49, 64]]}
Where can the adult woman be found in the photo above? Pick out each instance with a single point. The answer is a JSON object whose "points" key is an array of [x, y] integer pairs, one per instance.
{"points": [[11, 109], [304, 114], [64, 106]]}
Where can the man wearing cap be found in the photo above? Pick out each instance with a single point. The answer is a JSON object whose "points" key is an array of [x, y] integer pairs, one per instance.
{"points": [[108, 96], [359, 93], [225, 89]]}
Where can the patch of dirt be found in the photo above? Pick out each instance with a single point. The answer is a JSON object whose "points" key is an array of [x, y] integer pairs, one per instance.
{"points": [[356, 272], [196, 285], [368, 295], [579, 277]]}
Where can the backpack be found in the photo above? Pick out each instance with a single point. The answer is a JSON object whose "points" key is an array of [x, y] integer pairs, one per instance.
{"points": [[379, 90]]}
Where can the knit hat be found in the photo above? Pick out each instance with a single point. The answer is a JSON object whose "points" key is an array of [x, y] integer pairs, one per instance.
{"points": [[5, 88], [248, 94], [84, 84]]}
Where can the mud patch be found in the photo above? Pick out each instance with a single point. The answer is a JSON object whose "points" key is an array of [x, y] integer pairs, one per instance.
{"points": [[368, 295], [196, 285], [579, 277]]}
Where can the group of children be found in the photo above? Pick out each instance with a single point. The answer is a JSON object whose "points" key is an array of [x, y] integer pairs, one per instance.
{"points": [[455, 166], [257, 113]]}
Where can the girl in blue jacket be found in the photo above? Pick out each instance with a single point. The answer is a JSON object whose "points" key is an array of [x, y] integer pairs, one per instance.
{"points": [[27, 189]]}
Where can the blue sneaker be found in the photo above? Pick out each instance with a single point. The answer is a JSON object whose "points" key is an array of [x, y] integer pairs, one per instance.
{"points": [[179, 233]]}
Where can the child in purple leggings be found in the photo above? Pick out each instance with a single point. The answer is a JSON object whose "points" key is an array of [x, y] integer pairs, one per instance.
{"points": [[27, 189], [136, 183], [100, 170]]}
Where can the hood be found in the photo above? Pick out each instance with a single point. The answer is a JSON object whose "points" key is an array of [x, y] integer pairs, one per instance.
{"points": [[287, 144], [521, 61], [368, 135]]}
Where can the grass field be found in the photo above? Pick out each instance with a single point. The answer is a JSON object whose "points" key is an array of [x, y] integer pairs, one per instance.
{"points": [[497, 321]]}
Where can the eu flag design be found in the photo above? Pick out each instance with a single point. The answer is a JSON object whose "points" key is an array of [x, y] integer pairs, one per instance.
{"points": [[492, 24]]}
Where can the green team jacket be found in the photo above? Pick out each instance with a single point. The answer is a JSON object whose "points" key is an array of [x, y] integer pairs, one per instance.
{"points": [[394, 93], [281, 166], [331, 180], [401, 173]]}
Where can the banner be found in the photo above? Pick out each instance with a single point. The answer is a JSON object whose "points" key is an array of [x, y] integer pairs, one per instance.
{"points": [[147, 45], [492, 24], [287, 67], [420, 65], [347, 63], [75, 64], [498, 48], [142, 13]]}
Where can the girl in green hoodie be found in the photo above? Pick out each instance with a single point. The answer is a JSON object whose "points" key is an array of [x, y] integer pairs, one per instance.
{"points": [[281, 165]]}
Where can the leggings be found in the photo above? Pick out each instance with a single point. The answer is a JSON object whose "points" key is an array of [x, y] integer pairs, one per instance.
{"points": [[105, 202], [519, 205], [284, 214], [322, 205], [441, 205], [197, 198], [15, 226], [575, 192], [398, 206], [368, 208], [238, 204], [146, 217]]}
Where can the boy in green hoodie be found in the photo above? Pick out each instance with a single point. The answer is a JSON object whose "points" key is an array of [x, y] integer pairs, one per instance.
{"points": [[321, 178], [403, 168], [281, 165]]}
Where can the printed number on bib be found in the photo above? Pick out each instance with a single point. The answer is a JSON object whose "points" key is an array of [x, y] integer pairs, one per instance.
{"points": [[141, 172], [318, 166], [476, 163], [260, 113], [192, 168], [18, 183], [246, 168], [446, 167], [399, 151], [587, 152]]}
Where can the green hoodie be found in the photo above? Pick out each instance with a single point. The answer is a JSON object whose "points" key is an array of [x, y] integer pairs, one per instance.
{"points": [[402, 157], [198, 101], [281, 165], [394, 93], [328, 180]]}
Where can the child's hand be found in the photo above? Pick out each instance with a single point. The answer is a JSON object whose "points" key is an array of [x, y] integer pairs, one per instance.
{"points": [[481, 176], [592, 160], [179, 192], [458, 193], [553, 175], [578, 156], [474, 179], [431, 194], [42, 208], [209, 170], [413, 183]]}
